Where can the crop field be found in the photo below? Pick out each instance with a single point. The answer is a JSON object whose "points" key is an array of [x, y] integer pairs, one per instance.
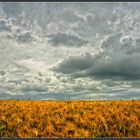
{"points": [[69, 119]]}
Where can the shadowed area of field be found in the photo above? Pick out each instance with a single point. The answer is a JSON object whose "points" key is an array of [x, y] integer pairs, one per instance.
{"points": [[73, 119]]}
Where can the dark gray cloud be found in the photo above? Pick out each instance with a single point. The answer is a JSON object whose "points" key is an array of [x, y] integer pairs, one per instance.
{"points": [[68, 40], [75, 64], [124, 68], [2, 73]]}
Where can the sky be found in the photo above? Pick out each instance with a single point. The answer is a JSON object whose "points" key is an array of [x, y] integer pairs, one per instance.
{"points": [[62, 51]]}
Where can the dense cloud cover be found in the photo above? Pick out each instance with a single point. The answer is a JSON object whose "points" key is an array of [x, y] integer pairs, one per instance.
{"points": [[69, 50]]}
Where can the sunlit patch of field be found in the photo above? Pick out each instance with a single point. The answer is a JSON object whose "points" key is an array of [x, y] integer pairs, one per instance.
{"points": [[73, 119]]}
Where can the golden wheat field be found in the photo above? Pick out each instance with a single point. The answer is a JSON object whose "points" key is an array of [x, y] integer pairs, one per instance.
{"points": [[69, 119]]}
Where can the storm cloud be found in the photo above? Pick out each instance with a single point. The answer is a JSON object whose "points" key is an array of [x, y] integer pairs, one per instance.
{"points": [[126, 68], [115, 62]]}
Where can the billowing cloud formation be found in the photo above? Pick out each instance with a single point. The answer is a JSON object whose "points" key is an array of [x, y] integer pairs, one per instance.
{"points": [[75, 64], [115, 62], [126, 68], [69, 50]]}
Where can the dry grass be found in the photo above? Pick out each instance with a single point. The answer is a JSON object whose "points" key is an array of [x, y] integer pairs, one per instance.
{"points": [[71, 119]]}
